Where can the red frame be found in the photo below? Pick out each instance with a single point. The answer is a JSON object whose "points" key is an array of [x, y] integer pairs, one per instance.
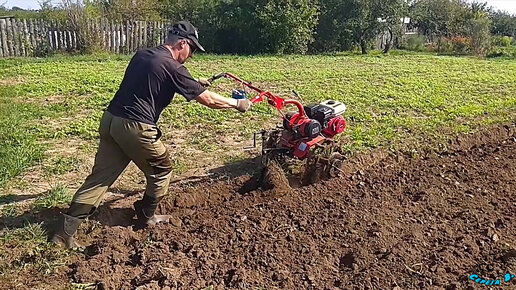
{"points": [[273, 100]]}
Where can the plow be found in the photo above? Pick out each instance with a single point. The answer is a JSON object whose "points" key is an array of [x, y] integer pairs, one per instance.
{"points": [[302, 144]]}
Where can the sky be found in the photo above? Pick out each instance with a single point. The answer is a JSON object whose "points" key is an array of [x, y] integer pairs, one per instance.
{"points": [[507, 5]]}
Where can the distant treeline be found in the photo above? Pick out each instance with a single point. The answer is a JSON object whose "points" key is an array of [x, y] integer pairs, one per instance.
{"points": [[303, 26]]}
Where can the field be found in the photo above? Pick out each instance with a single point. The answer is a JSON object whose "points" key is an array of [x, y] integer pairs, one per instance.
{"points": [[428, 197]]}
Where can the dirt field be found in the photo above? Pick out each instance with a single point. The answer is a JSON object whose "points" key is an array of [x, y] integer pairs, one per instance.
{"points": [[394, 222]]}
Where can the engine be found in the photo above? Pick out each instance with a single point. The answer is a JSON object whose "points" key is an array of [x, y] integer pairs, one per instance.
{"points": [[329, 115], [322, 121]]}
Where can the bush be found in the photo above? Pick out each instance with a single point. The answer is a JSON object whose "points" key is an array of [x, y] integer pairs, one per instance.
{"points": [[79, 20], [42, 50], [288, 25], [414, 42], [507, 52], [460, 44], [503, 41], [478, 29]]}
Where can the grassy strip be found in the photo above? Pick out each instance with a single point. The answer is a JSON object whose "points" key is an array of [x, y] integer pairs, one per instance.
{"points": [[404, 96], [17, 146]]}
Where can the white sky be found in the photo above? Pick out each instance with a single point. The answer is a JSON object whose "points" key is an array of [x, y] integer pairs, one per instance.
{"points": [[507, 5]]}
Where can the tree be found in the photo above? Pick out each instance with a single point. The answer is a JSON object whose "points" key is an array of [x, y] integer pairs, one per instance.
{"points": [[373, 15], [148, 10], [249, 26], [392, 21], [478, 27], [288, 25], [344, 23], [503, 24], [433, 18], [334, 33]]}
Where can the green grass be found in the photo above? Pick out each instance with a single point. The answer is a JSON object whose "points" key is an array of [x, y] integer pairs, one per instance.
{"points": [[58, 195], [390, 99], [61, 165], [402, 101]]}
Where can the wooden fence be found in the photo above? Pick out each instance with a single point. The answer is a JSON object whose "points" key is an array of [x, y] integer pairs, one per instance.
{"points": [[29, 37]]}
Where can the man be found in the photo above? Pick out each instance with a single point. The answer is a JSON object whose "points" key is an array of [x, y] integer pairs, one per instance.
{"points": [[128, 130]]}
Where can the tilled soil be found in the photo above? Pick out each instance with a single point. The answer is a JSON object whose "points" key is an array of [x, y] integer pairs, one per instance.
{"points": [[393, 222]]}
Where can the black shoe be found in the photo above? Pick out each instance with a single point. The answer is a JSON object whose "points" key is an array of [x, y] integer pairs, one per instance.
{"points": [[65, 230], [145, 212]]}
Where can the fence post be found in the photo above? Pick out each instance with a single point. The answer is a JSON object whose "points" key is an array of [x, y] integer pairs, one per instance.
{"points": [[162, 33], [17, 37], [51, 29], [113, 39], [21, 37], [142, 33], [26, 38], [31, 35], [127, 37], [135, 36], [48, 33], [47, 26], [10, 37], [119, 29], [64, 32], [3, 41]]}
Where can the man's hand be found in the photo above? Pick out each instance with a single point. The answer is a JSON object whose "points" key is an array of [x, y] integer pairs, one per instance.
{"points": [[204, 82], [243, 105]]}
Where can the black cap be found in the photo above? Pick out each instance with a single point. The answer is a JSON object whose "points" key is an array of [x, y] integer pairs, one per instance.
{"points": [[185, 29]]}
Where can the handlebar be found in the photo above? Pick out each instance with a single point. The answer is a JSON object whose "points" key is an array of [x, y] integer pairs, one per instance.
{"points": [[273, 100]]}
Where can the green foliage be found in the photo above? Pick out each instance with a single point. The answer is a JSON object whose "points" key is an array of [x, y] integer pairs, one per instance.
{"points": [[78, 17], [433, 17], [414, 43], [478, 28], [455, 26], [288, 25], [504, 24], [249, 26], [502, 52], [143, 10], [333, 33], [18, 148], [504, 41], [390, 98], [58, 195], [27, 249], [62, 165], [347, 23]]}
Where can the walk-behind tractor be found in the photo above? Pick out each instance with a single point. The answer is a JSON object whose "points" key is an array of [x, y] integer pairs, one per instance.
{"points": [[303, 144]]}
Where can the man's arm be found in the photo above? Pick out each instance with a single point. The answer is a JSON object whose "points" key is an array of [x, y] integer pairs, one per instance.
{"points": [[216, 101]]}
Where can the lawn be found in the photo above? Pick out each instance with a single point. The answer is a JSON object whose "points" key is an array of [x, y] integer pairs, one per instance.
{"points": [[50, 109]]}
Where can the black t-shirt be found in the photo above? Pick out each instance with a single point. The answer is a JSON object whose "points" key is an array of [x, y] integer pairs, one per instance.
{"points": [[150, 82]]}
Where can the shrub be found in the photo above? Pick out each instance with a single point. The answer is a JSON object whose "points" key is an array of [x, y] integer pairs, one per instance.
{"points": [[288, 25], [461, 44], [415, 42], [479, 31], [503, 41], [507, 52], [42, 50]]}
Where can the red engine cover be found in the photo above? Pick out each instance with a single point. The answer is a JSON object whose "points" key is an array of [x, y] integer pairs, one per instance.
{"points": [[335, 126]]}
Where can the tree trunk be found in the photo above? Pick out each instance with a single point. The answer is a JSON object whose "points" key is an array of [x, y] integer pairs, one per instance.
{"points": [[363, 46], [388, 44]]}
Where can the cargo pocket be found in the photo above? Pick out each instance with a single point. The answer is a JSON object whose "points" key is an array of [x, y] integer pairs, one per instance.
{"points": [[150, 132], [160, 164]]}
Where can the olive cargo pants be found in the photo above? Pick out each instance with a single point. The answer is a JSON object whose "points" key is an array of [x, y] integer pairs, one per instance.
{"points": [[121, 141]]}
